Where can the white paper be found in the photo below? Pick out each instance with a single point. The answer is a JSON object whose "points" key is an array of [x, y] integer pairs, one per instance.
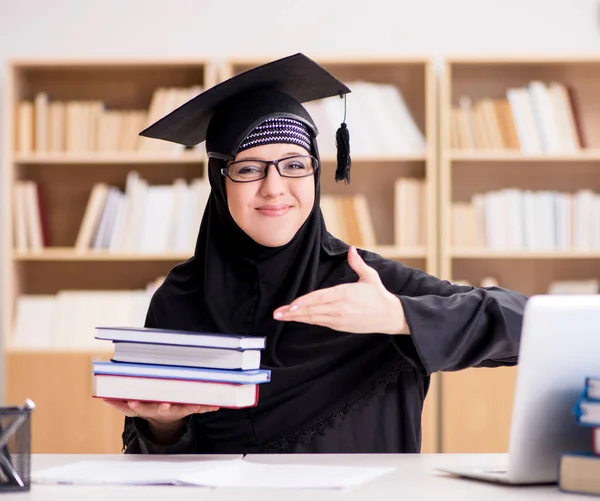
{"points": [[242, 473], [123, 472], [228, 473]]}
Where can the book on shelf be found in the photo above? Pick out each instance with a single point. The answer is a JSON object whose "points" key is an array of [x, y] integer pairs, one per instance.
{"points": [[527, 220], [48, 126], [203, 378], [537, 118], [589, 286], [66, 321], [30, 230], [348, 217], [410, 212], [143, 218], [380, 121]]}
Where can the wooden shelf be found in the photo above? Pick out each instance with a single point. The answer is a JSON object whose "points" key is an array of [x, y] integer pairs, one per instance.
{"points": [[465, 173], [65, 189], [379, 158], [117, 158], [517, 156], [106, 352], [393, 252], [493, 254], [69, 254]]}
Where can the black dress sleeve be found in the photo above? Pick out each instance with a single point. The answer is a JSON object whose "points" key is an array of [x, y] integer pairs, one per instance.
{"points": [[453, 327], [136, 435]]}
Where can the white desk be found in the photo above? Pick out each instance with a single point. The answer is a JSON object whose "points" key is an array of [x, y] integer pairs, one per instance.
{"points": [[414, 479]]}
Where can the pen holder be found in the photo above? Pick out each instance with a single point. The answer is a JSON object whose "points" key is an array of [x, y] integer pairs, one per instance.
{"points": [[15, 447]]}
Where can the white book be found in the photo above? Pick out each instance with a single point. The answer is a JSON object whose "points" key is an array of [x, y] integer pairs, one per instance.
{"points": [[188, 356], [33, 322], [179, 337], [545, 118], [158, 218], [32, 215], [175, 391], [92, 216], [20, 232], [525, 123]]}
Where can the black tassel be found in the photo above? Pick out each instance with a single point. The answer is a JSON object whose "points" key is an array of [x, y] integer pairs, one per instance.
{"points": [[344, 162]]}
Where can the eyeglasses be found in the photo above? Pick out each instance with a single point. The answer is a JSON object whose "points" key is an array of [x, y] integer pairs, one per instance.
{"points": [[246, 171]]}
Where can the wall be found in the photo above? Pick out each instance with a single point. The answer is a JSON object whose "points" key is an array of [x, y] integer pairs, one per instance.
{"points": [[219, 28]]}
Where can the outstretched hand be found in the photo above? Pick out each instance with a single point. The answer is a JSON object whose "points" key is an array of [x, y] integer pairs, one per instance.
{"points": [[365, 306]]}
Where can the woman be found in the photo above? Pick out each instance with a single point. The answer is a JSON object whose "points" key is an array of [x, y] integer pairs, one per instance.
{"points": [[352, 338]]}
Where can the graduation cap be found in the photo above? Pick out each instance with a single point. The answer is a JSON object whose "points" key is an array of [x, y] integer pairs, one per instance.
{"points": [[226, 113]]}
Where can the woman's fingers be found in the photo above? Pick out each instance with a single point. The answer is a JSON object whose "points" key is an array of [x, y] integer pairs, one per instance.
{"points": [[318, 297], [163, 412], [120, 405], [312, 313]]}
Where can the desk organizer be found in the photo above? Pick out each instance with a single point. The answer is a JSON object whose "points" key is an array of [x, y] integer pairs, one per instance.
{"points": [[15, 447]]}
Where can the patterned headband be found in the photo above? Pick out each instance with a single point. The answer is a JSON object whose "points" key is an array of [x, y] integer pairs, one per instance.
{"points": [[278, 130]]}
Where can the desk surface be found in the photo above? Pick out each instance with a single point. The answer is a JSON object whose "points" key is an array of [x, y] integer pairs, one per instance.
{"points": [[415, 478]]}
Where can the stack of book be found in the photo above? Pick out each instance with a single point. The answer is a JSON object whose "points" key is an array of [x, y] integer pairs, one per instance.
{"points": [[181, 367], [580, 472]]}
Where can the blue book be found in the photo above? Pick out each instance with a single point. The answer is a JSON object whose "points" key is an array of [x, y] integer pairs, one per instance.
{"points": [[182, 373], [587, 407]]}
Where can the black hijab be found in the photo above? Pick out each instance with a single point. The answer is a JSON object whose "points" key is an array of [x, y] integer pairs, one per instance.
{"points": [[232, 285]]}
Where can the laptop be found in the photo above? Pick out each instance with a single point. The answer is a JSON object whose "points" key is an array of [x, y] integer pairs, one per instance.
{"points": [[560, 347]]}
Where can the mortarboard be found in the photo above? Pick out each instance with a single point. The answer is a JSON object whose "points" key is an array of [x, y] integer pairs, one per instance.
{"points": [[224, 114]]}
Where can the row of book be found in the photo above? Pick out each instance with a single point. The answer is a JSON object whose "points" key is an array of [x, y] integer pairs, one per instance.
{"points": [[157, 219], [143, 218], [348, 217], [46, 126], [575, 286], [579, 472], [378, 118], [526, 220], [66, 320], [180, 367], [377, 114], [538, 118]]}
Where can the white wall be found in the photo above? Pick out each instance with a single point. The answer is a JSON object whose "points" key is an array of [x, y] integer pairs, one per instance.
{"points": [[219, 28]]}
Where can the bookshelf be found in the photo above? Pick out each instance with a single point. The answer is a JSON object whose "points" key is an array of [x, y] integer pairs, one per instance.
{"points": [[66, 151], [519, 133], [376, 166], [66, 178]]}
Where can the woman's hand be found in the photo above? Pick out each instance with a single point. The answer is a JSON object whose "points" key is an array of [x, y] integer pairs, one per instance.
{"points": [[365, 306], [165, 420]]}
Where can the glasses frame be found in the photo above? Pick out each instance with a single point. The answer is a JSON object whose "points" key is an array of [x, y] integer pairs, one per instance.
{"points": [[225, 170]]}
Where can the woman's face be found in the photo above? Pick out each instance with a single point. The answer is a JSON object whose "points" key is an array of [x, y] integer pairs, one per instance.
{"points": [[271, 210]]}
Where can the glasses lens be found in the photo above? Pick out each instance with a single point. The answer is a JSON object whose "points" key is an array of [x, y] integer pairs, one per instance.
{"points": [[297, 166], [247, 171]]}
